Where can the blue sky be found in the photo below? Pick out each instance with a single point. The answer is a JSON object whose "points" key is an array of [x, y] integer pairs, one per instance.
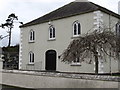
{"points": [[27, 10]]}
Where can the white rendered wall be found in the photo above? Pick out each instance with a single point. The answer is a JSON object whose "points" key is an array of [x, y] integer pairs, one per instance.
{"points": [[63, 38]]}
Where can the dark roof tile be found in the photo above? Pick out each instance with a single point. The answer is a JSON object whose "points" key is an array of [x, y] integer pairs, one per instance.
{"points": [[70, 9]]}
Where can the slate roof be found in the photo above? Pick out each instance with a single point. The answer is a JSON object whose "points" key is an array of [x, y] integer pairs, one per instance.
{"points": [[71, 9]]}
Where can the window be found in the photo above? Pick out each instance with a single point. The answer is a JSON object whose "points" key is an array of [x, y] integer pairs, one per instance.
{"points": [[31, 36], [76, 29], [76, 62], [31, 58], [51, 33], [118, 29]]}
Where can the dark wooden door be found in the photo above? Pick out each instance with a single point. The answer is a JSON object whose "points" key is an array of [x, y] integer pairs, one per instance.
{"points": [[50, 60]]}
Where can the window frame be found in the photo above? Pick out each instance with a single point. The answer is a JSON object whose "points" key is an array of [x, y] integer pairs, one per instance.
{"points": [[118, 29], [52, 33], [78, 29], [76, 62], [31, 57], [32, 36]]}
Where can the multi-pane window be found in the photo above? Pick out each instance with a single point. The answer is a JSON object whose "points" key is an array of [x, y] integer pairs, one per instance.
{"points": [[51, 32], [31, 36], [31, 58], [76, 28], [118, 29], [77, 60]]}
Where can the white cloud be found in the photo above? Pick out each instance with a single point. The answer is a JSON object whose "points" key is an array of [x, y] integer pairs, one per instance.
{"points": [[3, 4]]}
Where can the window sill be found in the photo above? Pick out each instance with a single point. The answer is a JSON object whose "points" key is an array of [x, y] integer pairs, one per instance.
{"points": [[30, 64], [31, 41], [76, 64], [76, 36], [51, 39]]}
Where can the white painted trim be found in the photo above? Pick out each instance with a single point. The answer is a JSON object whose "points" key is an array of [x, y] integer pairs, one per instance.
{"points": [[30, 63], [53, 38], [33, 35], [75, 64], [33, 54], [76, 22], [74, 36], [20, 50], [31, 41], [98, 20]]}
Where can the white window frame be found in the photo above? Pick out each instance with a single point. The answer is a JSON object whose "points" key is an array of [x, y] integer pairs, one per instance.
{"points": [[32, 36], [53, 33], [76, 63], [31, 57], [78, 33], [118, 28]]}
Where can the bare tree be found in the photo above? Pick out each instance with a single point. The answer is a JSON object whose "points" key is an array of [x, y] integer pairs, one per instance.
{"points": [[93, 46]]}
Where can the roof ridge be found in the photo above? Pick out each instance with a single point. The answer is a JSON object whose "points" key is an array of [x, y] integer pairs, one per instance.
{"points": [[70, 9], [44, 15]]}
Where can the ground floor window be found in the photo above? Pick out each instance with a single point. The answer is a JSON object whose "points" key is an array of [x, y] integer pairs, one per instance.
{"points": [[31, 57]]}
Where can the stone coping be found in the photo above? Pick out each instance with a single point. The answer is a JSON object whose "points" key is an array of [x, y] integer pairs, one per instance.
{"points": [[66, 75]]}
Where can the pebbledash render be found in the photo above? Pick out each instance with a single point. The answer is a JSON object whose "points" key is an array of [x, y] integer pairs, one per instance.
{"points": [[43, 40]]}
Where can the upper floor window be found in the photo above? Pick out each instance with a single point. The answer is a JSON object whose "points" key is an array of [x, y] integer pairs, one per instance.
{"points": [[31, 36], [51, 32], [31, 58], [118, 29], [76, 29]]}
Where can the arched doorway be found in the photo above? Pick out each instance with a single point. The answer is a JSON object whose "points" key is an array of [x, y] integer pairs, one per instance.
{"points": [[50, 60]]}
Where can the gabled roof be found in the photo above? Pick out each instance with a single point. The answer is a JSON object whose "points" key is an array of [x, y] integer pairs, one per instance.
{"points": [[71, 9]]}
